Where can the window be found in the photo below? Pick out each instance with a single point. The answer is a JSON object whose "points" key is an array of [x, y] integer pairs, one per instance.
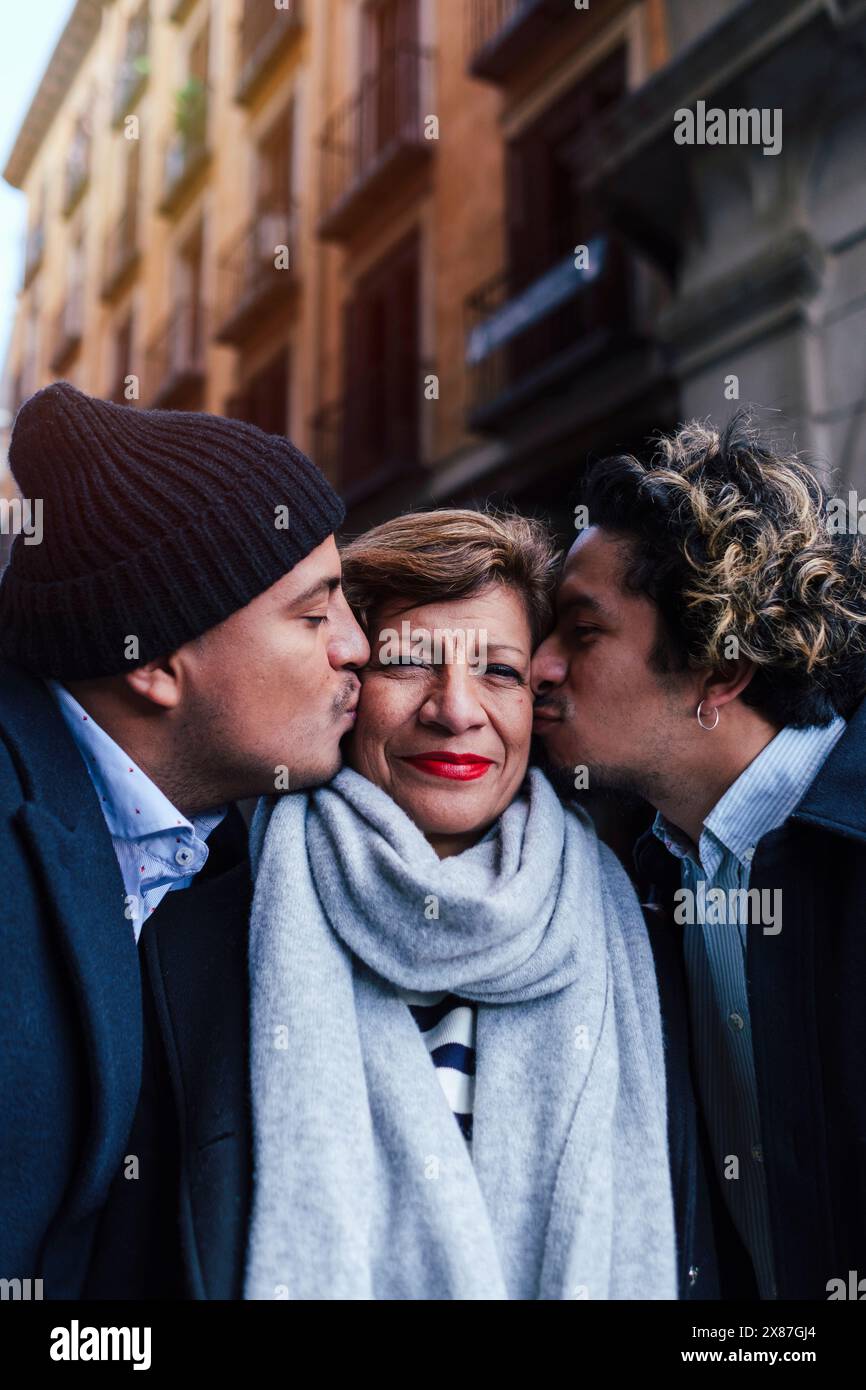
{"points": [[390, 39], [547, 212], [264, 400], [383, 372]]}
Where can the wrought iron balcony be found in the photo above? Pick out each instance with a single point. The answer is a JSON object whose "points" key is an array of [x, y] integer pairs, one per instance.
{"points": [[33, 251], [266, 33], [175, 363], [134, 69], [187, 150], [121, 252], [374, 139], [68, 329], [528, 337], [503, 34], [253, 276], [77, 173]]}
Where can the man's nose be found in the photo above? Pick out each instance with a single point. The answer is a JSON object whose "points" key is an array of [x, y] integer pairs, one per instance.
{"points": [[348, 645], [548, 667]]}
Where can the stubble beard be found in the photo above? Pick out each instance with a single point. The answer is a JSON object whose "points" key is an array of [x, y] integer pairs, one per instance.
{"points": [[623, 786]]}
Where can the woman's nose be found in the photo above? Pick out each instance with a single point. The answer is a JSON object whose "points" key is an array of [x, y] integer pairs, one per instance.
{"points": [[454, 703]]}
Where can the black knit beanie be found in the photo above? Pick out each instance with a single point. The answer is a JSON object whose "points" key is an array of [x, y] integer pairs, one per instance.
{"points": [[156, 524]]}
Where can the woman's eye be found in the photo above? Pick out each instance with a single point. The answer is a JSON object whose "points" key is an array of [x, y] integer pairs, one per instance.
{"points": [[395, 666], [405, 663], [315, 620], [499, 670]]}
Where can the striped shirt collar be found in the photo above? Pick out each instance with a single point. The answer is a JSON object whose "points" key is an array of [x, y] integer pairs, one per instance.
{"points": [[761, 799], [132, 804]]}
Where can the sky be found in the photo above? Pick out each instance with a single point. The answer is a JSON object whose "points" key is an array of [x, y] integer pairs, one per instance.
{"points": [[28, 34]]}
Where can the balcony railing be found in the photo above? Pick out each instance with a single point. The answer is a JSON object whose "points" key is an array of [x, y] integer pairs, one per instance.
{"points": [[134, 69], [187, 149], [76, 174], [121, 252], [175, 365], [374, 139], [373, 434], [68, 328], [253, 275], [502, 34], [266, 33], [33, 251], [527, 338]]}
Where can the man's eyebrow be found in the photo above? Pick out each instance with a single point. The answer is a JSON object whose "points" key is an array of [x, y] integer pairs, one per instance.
{"points": [[324, 586], [578, 599]]}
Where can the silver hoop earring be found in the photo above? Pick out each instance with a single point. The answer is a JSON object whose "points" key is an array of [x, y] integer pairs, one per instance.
{"points": [[708, 727]]}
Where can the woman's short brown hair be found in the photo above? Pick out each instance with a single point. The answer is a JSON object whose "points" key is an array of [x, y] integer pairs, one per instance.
{"points": [[451, 553]]}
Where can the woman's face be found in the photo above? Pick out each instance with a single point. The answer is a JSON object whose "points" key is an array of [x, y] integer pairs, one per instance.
{"points": [[445, 714]]}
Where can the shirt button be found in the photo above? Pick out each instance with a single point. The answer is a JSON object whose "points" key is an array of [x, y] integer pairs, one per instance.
{"points": [[736, 1021], [183, 856], [757, 1153], [693, 1274], [749, 854]]}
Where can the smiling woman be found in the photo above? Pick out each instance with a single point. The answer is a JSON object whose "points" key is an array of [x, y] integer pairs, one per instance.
{"points": [[445, 731], [474, 954]]}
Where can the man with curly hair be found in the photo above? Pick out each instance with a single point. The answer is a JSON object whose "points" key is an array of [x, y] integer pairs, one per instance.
{"points": [[709, 656]]}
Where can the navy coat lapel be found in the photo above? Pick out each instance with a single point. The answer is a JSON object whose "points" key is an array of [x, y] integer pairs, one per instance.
{"points": [[195, 954], [63, 827]]}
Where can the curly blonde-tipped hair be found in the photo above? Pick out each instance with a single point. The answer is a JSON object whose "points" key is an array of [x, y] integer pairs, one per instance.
{"points": [[731, 538], [451, 553]]}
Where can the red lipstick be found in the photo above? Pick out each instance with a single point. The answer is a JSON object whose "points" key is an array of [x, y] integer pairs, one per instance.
{"points": [[460, 767]]}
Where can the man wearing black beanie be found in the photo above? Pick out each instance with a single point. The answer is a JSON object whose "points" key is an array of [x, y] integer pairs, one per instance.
{"points": [[176, 640]]}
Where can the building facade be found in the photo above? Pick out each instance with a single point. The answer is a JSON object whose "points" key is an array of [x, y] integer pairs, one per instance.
{"points": [[453, 248]]}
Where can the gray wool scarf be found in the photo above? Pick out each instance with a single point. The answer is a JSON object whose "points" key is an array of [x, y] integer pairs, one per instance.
{"points": [[363, 1185]]}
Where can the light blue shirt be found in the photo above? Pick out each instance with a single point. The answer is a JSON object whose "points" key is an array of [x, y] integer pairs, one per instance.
{"points": [[760, 800], [157, 848]]}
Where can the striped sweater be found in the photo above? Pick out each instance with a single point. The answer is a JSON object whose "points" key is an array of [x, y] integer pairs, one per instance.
{"points": [[447, 1024]]}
